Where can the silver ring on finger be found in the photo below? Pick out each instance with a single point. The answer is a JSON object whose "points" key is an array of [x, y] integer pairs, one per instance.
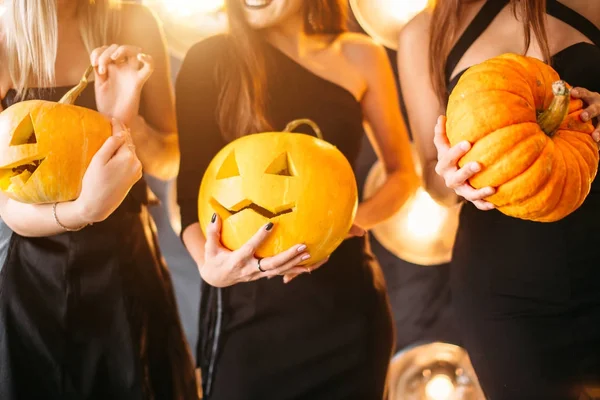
{"points": [[259, 267]]}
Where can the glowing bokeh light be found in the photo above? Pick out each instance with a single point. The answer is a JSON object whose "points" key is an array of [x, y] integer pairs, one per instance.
{"points": [[383, 19], [440, 387], [426, 217], [403, 10], [186, 8]]}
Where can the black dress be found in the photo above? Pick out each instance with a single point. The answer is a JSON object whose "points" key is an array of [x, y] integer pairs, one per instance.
{"points": [[327, 335], [527, 294], [91, 315]]}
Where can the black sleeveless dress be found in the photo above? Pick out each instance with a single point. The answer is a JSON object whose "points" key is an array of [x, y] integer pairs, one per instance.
{"points": [[527, 294], [91, 315], [328, 335]]}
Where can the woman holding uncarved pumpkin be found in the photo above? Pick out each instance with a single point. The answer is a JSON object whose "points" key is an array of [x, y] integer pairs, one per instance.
{"points": [[87, 311], [526, 293], [327, 334]]}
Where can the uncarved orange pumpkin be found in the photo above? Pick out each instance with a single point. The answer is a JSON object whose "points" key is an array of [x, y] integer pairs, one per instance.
{"points": [[304, 185], [526, 132], [45, 149]]}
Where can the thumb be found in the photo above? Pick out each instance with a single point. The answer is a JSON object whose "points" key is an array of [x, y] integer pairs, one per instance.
{"points": [[108, 149], [213, 236]]}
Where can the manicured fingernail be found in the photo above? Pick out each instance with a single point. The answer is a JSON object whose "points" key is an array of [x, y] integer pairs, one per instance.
{"points": [[585, 116], [305, 257], [301, 248], [213, 218], [269, 226], [475, 167], [465, 145]]}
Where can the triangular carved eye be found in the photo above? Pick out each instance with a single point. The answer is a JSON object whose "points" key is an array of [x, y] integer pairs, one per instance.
{"points": [[282, 165], [24, 133], [229, 168]]}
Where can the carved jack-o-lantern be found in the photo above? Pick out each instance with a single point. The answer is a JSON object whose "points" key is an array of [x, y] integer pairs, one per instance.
{"points": [[304, 185], [46, 147]]}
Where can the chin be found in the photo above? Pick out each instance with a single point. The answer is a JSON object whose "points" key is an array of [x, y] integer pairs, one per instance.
{"points": [[269, 13]]}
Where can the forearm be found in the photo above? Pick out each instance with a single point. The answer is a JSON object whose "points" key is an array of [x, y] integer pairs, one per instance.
{"points": [[436, 187], [390, 197], [38, 220], [194, 241], [158, 151]]}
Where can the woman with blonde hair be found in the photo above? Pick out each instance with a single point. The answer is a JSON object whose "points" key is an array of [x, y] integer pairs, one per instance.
{"points": [[87, 309]]}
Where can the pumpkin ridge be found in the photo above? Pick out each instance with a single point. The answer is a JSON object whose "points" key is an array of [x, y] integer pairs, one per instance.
{"points": [[587, 148], [560, 208], [585, 184], [547, 198], [485, 113], [516, 190], [506, 166], [503, 90], [573, 183]]}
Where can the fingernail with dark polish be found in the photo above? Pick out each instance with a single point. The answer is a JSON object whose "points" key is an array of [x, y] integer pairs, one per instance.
{"points": [[213, 218], [269, 226]]}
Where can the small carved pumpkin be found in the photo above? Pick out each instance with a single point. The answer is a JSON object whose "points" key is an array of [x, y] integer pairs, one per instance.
{"points": [[46, 147], [526, 132], [304, 185]]}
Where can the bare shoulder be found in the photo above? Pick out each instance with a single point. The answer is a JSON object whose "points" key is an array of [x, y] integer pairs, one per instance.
{"points": [[361, 50], [414, 36]]}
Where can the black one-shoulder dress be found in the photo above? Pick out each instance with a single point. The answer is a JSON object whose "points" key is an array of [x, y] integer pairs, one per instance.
{"points": [[327, 335], [527, 294], [91, 315]]}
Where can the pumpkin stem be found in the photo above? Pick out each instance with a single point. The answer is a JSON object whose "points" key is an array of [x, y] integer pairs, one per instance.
{"points": [[73, 94], [296, 123], [550, 119]]}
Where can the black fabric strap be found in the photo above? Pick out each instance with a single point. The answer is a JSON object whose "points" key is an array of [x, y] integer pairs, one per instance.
{"points": [[574, 19], [482, 20]]}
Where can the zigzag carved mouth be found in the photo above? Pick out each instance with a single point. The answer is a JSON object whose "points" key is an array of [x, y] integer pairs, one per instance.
{"points": [[245, 205]]}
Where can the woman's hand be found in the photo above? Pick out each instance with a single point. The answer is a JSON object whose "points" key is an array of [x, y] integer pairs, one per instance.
{"points": [[457, 178], [592, 99], [121, 72], [113, 170], [222, 267]]}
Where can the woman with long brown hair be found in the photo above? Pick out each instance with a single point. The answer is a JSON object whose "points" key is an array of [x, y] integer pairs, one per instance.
{"points": [[526, 293], [87, 309], [327, 334]]}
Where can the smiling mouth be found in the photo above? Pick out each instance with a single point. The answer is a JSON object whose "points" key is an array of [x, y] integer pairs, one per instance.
{"points": [[257, 4], [249, 206]]}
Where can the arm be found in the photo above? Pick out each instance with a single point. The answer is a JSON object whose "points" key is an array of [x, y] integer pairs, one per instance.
{"points": [[199, 135], [38, 220], [422, 104], [154, 130], [101, 193], [388, 134]]}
